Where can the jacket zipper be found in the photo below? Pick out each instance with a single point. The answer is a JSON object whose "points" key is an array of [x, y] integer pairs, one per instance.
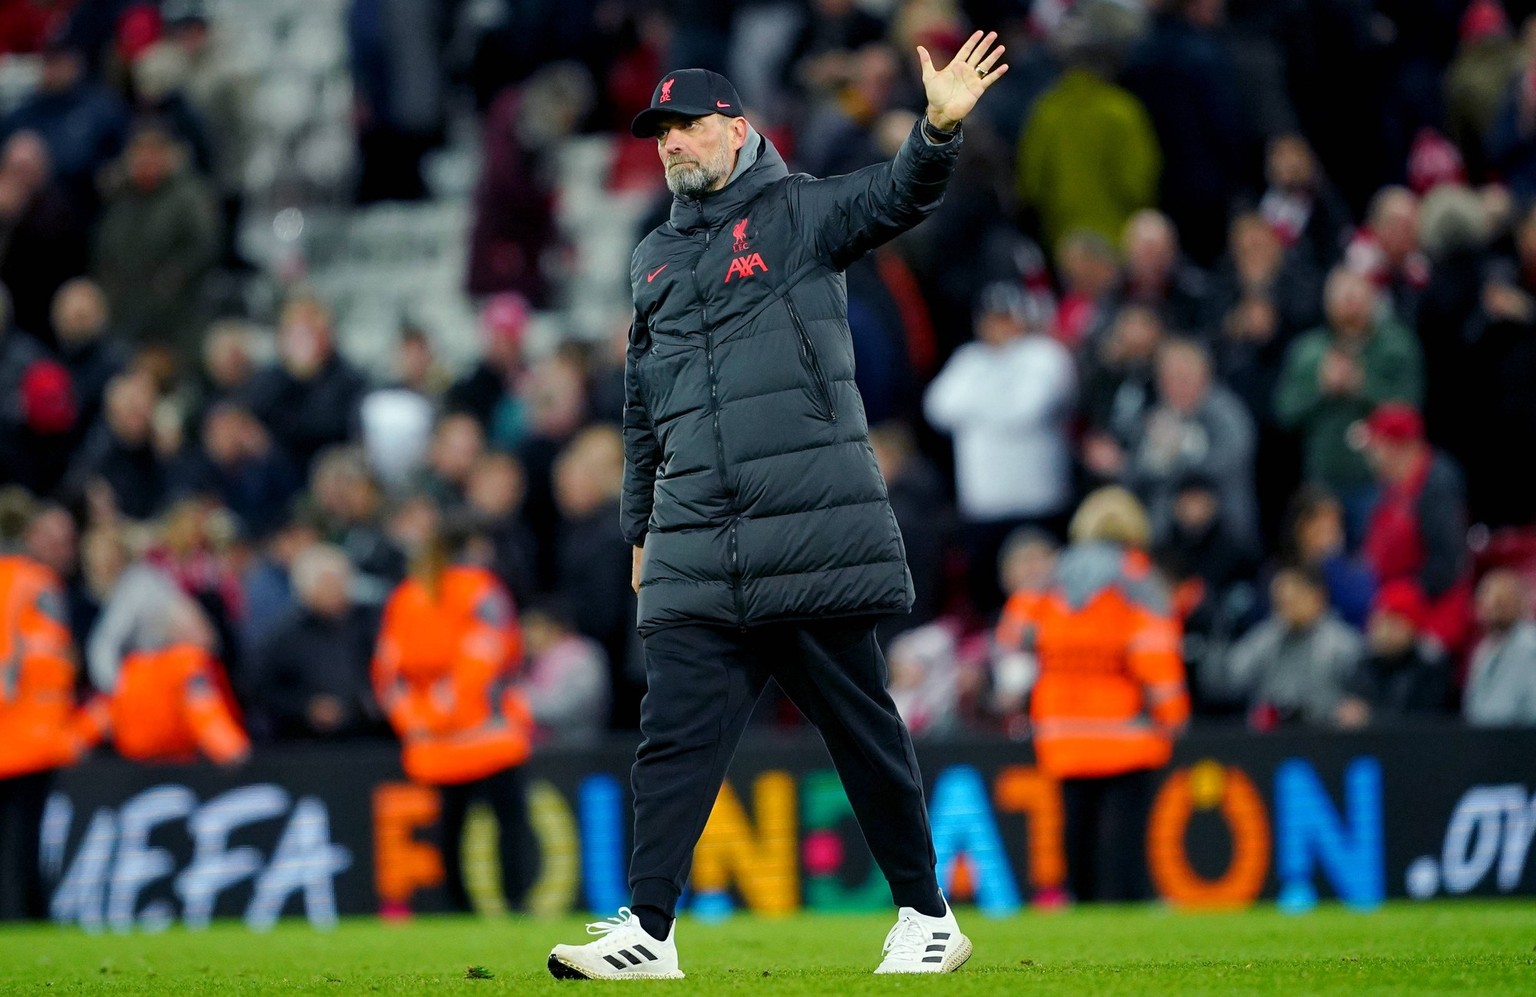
{"points": [[813, 361], [714, 405]]}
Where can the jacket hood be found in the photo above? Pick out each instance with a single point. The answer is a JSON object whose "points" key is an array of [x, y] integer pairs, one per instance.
{"points": [[711, 210]]}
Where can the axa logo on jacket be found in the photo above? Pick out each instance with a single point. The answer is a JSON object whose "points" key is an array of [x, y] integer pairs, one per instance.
{"points": [[746, 263]]}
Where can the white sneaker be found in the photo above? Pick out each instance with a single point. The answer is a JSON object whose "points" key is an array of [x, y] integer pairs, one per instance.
{"points": [[624, 951], [922, 944]]}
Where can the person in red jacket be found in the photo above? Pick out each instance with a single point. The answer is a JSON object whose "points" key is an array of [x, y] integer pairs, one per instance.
{"points": [[40, 730], [1418, 527], [448, 651]]}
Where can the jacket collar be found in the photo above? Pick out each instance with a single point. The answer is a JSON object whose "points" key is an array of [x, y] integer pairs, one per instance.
{"points": [[716, 208]]}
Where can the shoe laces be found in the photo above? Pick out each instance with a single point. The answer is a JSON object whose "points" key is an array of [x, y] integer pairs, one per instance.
{"points": [[906, 940], [625, 918]]}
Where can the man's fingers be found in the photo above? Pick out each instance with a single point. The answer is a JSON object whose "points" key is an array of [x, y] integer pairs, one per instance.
{"points": [[965, 50], [922, 57], [980, 50], [993, 75], [986, 64]]}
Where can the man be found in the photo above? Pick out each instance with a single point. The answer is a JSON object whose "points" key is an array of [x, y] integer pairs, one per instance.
{"points": [[1418, 526], [310, 676], [1501, 682], [1007, 399], [1405, 673], [1295, 666], [764, 544]]}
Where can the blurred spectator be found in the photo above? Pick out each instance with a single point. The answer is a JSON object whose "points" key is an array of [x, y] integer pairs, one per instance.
{"points": [[1006, 398], [1090, 271], [1261, 296], [416, 365], [1027, 562], [1110, 696], [266, 581], [1501, 683], [1088, 157], [172, 704], [924, 516], [830, 32], [42, 237], [1301, 205], [457, 443], [1196, 427], [1338, 374], [1211, 568], [192, 546], [594, 561], [514, 233], [395, 425], [493, 493], [839, 135], [228, 368], [448, 649], [136, 599], [42, 444], [18, 353], [398, 94], [36, 713], [83, 123], [1488, 57], [1511, 145], [1296, 665], [1183, 72], [925, 679], [87, 347], [158, 239], [120, 454], [221, 88], [309, 678], [1405, 672], [237, 464], [1418, 527], [1500, 358], [1314, 538], [567, 681], [309, 398], [1118, 390], [1157, 276], [1386, 250], [157, 77], [349, 509], [489, 391], [554, 391]]}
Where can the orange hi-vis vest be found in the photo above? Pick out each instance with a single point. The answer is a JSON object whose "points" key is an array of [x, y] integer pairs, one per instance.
{"points": [[169, 705], [443, 671], [39, 727], [1110, 692]]}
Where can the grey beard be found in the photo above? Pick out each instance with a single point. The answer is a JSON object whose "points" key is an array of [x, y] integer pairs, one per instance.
{"points": [[692, 181]]}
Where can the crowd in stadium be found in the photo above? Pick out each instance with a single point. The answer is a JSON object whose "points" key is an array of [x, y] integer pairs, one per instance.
{"points": [[1268, 265]]}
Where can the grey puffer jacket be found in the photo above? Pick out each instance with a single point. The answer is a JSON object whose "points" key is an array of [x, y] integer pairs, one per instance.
{"points": [[749, 477]]}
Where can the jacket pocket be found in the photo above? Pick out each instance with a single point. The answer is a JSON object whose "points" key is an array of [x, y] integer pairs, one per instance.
{"points": [[821, 389]]}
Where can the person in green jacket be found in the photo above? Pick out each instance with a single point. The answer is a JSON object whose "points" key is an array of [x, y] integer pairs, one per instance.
{"points": [[1336, 375], [1088, 157]]}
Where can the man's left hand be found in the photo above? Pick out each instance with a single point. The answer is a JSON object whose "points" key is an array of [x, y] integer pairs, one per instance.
{"points": [[954, 90]]}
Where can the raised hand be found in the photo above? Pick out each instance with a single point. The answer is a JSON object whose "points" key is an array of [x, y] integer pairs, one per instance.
{"points": [[954, 90]]}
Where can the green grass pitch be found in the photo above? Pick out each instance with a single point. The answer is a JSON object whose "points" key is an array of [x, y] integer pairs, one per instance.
{"points": [[1445, 947]]}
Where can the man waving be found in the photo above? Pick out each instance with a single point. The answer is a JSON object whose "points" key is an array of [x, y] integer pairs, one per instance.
{"points": [[765, 546]]}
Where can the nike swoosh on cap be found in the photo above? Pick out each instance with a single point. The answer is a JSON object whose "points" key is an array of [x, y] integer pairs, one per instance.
{"points": [[721, 103], [652, 275]]}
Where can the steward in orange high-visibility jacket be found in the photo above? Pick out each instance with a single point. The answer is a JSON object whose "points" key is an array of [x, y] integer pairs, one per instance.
{"points": [[40, 729], [1110, 694], [169, 705], [449, 649]]}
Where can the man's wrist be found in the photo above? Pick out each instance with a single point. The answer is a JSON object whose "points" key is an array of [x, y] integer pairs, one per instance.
{"points": [[941, 123]]}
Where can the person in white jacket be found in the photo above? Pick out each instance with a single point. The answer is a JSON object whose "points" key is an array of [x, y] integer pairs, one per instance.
{"points": [[1006, 398]]}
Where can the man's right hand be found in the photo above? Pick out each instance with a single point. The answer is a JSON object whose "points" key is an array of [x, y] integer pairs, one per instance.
{"points": [[634, 571]]}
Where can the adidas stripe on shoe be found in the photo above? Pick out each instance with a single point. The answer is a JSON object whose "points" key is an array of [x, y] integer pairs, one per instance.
{"points": [[623, 950], [922, 944]]}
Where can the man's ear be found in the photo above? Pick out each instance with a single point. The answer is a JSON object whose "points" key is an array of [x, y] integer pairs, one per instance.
{"points": [[738, 129]]}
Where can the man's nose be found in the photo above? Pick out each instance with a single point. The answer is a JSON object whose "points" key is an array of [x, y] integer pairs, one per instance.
{"points": [[673, 140]]}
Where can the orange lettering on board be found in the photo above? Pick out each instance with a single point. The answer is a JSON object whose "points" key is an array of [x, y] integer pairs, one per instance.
{"points": [[401, 863]]}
